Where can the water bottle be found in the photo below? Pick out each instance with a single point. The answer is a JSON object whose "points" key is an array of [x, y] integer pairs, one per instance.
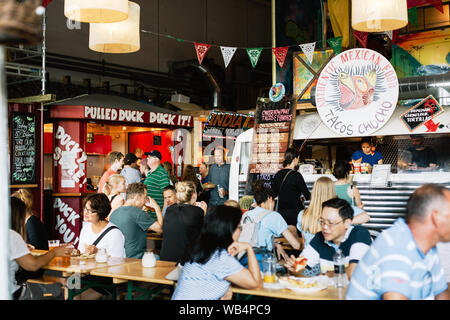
{"points": [[339, 269]]}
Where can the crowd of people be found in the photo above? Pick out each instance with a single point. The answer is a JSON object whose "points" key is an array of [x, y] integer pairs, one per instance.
{"points": [[201, 229]]}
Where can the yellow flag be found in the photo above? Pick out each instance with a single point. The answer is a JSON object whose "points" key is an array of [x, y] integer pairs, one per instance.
{"points": [[339, 16]]}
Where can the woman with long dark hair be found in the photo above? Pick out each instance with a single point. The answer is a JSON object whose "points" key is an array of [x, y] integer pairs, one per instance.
{"points": [[19, 252], [209, 263], [289, 186]]}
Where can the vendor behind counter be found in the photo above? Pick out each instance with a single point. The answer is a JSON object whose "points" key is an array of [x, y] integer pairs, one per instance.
{"points": [[367, 154]]}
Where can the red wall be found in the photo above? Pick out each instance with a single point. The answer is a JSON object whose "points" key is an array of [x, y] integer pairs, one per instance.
{"points": [[144, 140]]}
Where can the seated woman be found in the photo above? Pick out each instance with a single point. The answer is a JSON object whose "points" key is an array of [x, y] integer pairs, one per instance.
{"points": [[308, 219], [343, 188], [182, 222], [272, 225], [35, 231], [367, 154], [113, 188], [98, 233], [19, 251], [209, 263]]}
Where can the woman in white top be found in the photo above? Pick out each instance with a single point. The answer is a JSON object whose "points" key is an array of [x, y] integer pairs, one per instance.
{"points": [[113, 188], [19, 252], [96, 209]]}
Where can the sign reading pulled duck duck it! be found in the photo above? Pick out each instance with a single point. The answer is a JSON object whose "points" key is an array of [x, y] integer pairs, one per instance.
{"points": [[357, 92]]}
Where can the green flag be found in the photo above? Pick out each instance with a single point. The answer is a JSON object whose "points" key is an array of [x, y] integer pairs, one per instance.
{"points": [[253, 54], [336, 44], [412, 16]]}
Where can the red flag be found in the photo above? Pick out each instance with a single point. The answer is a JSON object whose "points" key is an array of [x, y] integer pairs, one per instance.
{"points": [[435, 3], [201, 49], [280, 54], [431, 126], [362, 37], [45, 3]]}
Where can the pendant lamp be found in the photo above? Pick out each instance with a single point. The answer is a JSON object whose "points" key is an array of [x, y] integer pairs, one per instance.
{"points": [[96, 11], [117, 37], [379, 15]]}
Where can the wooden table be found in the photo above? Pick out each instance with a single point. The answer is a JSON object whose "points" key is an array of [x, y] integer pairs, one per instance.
{"points": [[331, 293], [69, 266], [136, 272]]}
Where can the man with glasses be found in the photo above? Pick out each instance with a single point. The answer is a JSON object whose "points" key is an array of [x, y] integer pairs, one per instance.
{"points": [[403, 261], [337, 233], [134, 222]]}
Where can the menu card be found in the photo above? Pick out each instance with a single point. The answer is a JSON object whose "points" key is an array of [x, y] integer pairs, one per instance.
{"points": [[380, 175], [271, 137], [23, 149]]}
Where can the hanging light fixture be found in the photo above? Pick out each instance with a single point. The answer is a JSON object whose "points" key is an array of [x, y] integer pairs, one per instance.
{"points": [[379, 15], [98, 11], [117, 37]]}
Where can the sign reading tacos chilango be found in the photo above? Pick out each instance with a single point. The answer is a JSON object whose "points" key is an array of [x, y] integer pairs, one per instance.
{"points": [[357, 92]]}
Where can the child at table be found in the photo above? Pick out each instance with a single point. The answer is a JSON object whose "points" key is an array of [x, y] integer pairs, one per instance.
{"points": [[209, 263]]}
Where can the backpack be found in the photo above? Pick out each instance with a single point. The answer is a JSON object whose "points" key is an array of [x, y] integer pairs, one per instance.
{"points": [[249, 232]]}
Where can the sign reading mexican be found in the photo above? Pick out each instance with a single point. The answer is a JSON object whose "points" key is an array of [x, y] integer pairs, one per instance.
{"points": [[357, 92]]}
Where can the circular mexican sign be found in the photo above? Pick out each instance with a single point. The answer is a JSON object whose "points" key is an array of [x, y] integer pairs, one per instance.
{"points": [[357, 92]]}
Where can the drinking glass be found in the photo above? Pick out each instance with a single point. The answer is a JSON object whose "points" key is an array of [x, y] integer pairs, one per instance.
{"points": [[53, 244]]}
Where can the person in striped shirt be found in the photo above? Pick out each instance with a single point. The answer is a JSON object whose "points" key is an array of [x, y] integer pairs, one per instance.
{"points": [[157, 178], [403, 262]]}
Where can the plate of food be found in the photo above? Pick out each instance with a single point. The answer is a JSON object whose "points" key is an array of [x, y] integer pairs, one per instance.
{"points": [[304, 285], [83, 256]]}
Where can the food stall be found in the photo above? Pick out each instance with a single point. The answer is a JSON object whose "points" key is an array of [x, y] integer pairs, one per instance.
{"points": [[376, 109], [81, 133]]}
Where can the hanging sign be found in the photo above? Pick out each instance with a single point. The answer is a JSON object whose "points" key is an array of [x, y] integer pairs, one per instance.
{"points": [[357, 92], [227, 53], [422, 113], [280, 54], [277, 92], [201, 49]]}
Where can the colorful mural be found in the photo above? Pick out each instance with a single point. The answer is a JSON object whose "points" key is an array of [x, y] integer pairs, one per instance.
{"points": [[422, 53], [304, 79]]}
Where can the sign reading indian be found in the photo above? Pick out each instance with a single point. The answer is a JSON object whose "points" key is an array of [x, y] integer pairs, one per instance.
{"points": [[357, 92]]}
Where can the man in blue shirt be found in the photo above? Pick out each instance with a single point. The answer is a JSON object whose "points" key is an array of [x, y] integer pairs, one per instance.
{"points": [[403, 263], [337, 233]]}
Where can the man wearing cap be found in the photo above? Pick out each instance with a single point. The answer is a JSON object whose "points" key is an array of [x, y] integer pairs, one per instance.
{"points": [[157, 178], [130, 170]]}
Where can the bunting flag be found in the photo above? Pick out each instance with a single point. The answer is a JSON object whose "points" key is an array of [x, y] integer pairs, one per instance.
{"points": [[336, 44], [362, 37], [227, 53], [308, 50], [201, 49], [435, 3], [45, 3], [253, 54], [389, 34], [412, 16], [280, 53]]}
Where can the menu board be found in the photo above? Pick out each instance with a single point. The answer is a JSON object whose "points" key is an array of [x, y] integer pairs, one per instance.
{"points": [[271, 137], [23, 149]]}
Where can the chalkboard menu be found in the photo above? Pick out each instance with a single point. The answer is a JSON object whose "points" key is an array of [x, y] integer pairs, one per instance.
{"points": [[23, 149], [271, 137]]}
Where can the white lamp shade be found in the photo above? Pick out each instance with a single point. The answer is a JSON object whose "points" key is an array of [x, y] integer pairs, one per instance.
{"points": [[96, 11], [379, 15], [117, 37]]}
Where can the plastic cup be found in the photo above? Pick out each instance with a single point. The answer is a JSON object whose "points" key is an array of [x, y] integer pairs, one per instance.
{"points": [[53, 244]]}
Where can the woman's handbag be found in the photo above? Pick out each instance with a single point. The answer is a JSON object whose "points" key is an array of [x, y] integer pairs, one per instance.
{"points": [[42, 291]]}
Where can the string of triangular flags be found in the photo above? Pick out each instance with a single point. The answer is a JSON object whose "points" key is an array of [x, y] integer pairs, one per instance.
{"points": [[254, 53], [308, 48]]}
